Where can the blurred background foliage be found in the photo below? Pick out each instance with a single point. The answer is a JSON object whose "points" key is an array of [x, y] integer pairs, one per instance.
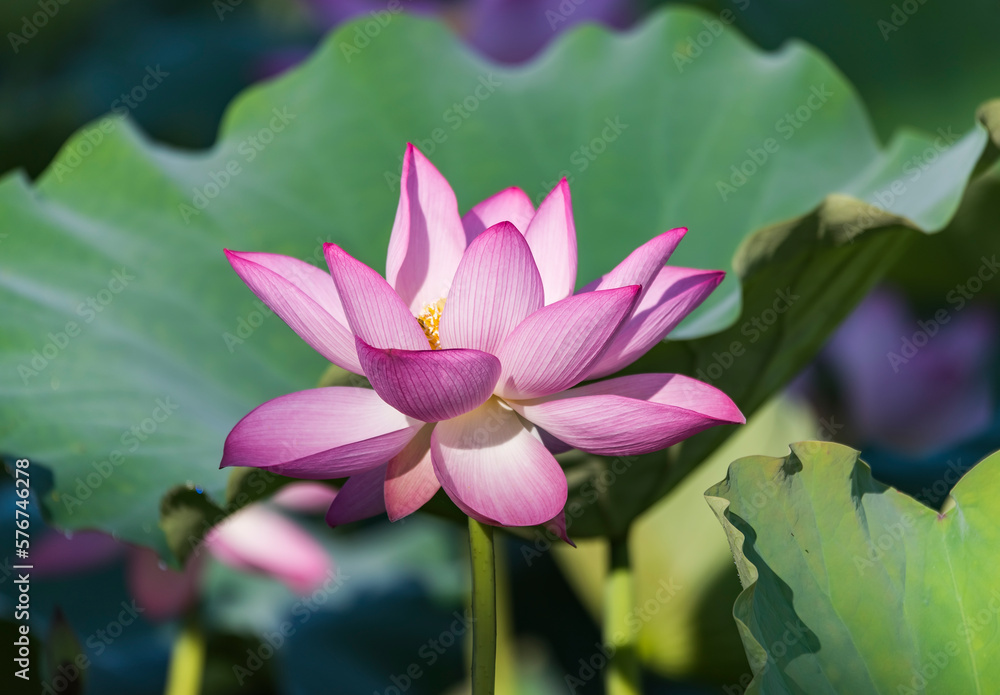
{"points": [[927, 69]]}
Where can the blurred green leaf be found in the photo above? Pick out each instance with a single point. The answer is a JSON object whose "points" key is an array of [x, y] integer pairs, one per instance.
{"points": [[131, 348], [853, 587]]}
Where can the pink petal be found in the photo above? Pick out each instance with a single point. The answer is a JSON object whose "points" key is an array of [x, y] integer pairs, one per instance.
{"points": [[321, 433], [673, 294], [553, 349], [427, 236], [374, 311], [361, 497], [496, 287], [304, 297], [552, 238], [495, 470], [430, 385], [509, 205], [160, 591], [409, 480], [633, 414], [258, 539], [306, 497]]}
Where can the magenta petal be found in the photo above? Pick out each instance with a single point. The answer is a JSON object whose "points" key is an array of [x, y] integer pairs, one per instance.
{"points": [[496, 287], [409, 480], [509, 205], [259, 539], [430, 385], [374, 311], [427, 236], [55, 554], [495, 470], [361, 497], [557, 527], [673, 294], [322, 433], [552, 238], [304, 297], [633, 414], [554, 348]]}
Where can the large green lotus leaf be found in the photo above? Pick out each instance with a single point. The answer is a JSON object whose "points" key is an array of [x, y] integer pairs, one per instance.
{"points": [[853, 587], [689, 633], [130, 348]]}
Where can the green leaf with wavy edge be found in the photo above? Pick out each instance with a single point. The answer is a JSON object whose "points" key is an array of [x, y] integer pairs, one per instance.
{"points": [[853, 587], [143, 348]]}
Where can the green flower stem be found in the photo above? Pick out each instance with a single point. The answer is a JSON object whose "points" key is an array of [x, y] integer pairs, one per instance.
{"points": [[187, 660], [484, 608], [622, 674]]}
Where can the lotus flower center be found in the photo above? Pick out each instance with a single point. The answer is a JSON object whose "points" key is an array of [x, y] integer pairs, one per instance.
{"points": [[430, 320]]}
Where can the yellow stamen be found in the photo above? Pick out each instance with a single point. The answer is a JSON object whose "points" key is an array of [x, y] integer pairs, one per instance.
{"points": [[430, 319]]}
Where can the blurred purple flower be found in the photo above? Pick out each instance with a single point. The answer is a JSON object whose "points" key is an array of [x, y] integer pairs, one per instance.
{"points": [[508, 31], [916, 387]]}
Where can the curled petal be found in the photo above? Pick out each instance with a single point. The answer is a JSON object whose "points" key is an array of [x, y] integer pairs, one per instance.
{"points": [[552, 238], [554, 348], [430, 385], [374, 311], [495, 288], [427, 236], [305, 298], [259, 539], [673, 294], [322, 433], [409, 480], [360, 498], [630, 415], [509, 205], [495, 469]]}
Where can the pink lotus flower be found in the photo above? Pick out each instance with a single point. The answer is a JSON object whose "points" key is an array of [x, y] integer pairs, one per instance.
{"points": [[474, 343]]}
